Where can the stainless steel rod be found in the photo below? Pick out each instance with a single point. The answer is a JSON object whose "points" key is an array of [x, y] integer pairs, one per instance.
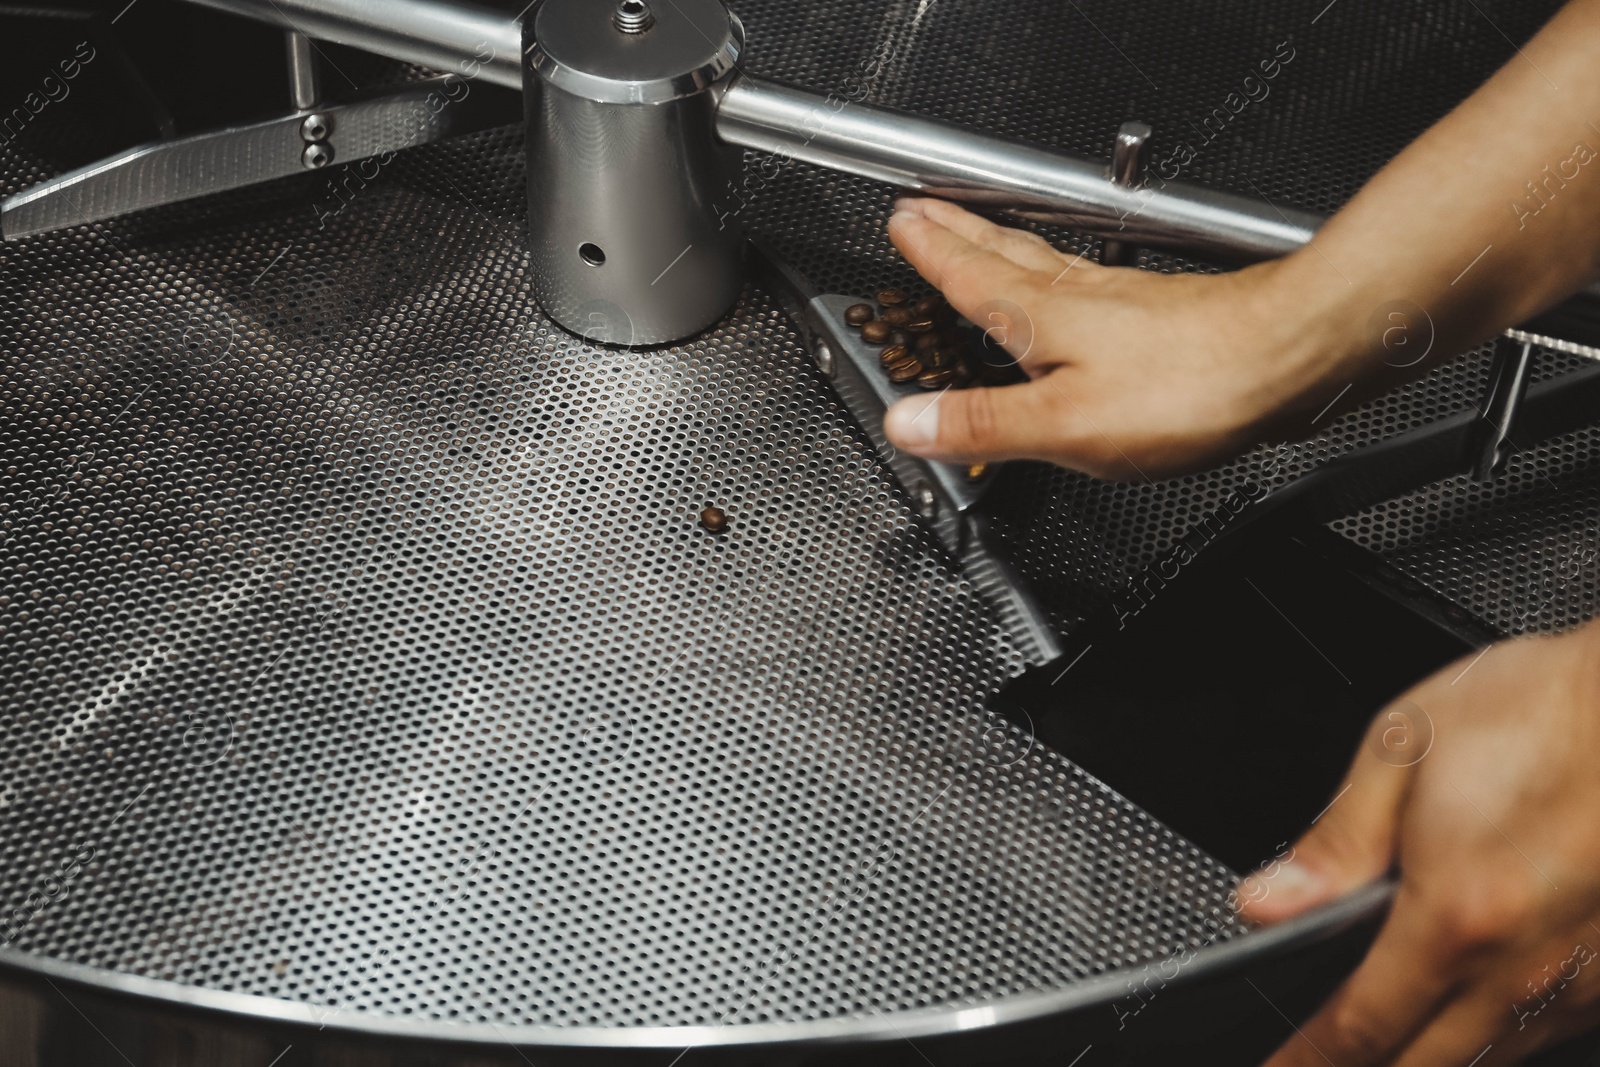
{"points": [[958, 163], [305, 90], [937, 158], [446, 35]]}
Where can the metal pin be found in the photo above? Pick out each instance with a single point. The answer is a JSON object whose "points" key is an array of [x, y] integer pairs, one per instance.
{"points": [[1490, 443], [304, 87], [1130, 154]]}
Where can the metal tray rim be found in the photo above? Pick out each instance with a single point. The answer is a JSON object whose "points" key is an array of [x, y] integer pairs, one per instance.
{"points": [[1211, 962]]}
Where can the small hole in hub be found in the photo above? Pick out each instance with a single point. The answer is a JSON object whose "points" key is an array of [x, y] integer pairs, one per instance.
{"points": [[592, 254]]}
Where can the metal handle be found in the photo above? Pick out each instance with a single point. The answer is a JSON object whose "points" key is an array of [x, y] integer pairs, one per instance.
{"points": [[938, 158], [444, 36], [957, 163]]}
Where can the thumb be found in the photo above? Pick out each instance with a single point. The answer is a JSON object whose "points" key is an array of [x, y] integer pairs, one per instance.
{"points": [[967, 425], [1349, 845]]}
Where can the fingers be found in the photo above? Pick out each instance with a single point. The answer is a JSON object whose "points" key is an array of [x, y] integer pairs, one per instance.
{"points": [[1498, 1021], [968, 274], [1026, 249], [1391, 997], [1350, 844], [1008, 422], [1472, 1030]]}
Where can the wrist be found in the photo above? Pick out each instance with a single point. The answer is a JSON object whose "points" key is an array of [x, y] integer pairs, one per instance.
{"points": [[1323, 334]]}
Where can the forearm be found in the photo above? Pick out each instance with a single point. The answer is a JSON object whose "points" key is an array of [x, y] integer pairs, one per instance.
{"points": [[1488, 218]]}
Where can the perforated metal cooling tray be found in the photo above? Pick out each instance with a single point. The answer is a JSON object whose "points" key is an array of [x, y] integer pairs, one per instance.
{"points": [[367, 670]]}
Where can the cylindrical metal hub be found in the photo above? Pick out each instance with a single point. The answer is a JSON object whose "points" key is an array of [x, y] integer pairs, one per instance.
{"points": [[625, 169]]}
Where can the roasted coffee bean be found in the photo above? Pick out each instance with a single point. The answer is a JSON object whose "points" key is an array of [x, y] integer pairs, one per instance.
{"points": [[893, 354], [963, 372], [858, 314], [976, 471], [714, 519], [896, 317], [875, 332], [919, 324], [927, 342], [936, 378], [891, 297], [901, 337], [905, 370], [942, 358], [926, 307]]}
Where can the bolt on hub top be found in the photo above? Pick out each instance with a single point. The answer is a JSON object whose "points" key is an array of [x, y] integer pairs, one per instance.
{"points": [[625, 168]]}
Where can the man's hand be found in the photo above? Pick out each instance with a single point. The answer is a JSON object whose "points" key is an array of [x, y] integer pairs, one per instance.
{"points": [[1484, 220], [1482, 785], [1135, 375]]}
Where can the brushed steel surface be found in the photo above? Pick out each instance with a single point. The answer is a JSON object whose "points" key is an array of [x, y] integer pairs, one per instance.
{"points": [[929, 156], [626, 174], [939, 158], [387, 671], [305, 88], [168, 172], [433, 33], [326, 553]]}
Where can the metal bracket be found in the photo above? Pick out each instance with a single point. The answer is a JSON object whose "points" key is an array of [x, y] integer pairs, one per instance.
{"points": [[943, 493], [167, 172]]}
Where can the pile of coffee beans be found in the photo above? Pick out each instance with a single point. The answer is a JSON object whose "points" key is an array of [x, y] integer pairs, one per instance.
{"points": [[924, 345]]}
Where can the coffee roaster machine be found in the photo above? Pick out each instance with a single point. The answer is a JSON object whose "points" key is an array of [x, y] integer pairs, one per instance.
{"points": [[374, 695]]}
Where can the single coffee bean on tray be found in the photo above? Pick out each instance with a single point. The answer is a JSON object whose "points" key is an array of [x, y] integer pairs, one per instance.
{"points": [[876, 332], [906, 370], [715, 520], [896, 316], [893, 354]]}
